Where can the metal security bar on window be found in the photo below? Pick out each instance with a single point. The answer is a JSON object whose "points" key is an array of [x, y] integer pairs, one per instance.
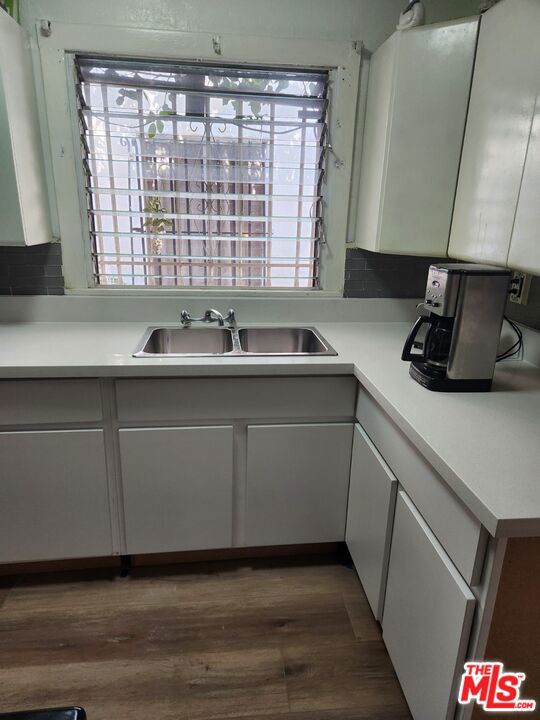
{"points": [[202, 176]]}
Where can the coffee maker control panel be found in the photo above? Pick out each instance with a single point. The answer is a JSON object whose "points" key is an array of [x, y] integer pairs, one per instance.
{"points": [[441, 292]]}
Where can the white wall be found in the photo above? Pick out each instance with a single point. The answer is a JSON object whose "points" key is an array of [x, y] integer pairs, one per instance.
{"points": [[368, 20]]}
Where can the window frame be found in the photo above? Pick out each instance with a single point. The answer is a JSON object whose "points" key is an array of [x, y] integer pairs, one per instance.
{"points": [[216, 138], [56, 55]]}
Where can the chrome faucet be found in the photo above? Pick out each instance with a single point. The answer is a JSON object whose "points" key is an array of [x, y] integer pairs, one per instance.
{"points": [[209, 316], [213, 316]]}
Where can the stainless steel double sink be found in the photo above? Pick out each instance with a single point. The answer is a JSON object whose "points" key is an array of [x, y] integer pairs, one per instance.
{"points": [[231, 342]]}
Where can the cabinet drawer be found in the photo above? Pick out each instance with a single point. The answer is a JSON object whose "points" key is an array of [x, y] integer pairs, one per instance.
{"points": [[427, 616], [166, 400], [27, 402], [460, 533], [370, 514]]}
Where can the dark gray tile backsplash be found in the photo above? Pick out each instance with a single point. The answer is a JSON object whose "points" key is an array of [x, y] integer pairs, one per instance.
{"points": [[32, 270], [37, 270], [369, 275]]}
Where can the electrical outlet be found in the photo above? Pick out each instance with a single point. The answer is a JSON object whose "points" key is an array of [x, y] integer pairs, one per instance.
{"points": [[521, 284]]}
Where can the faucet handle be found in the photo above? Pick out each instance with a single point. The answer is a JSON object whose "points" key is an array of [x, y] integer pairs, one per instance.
{"points": [[230, 318], [185, 318]]}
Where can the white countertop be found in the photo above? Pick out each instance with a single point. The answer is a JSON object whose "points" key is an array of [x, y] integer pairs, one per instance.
{"points": [[485, 445]]}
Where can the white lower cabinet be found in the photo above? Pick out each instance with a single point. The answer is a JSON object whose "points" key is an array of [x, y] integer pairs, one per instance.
{"points": [[54, 500], [297, 483], [177, 488], [427, 616], [372, 497]]}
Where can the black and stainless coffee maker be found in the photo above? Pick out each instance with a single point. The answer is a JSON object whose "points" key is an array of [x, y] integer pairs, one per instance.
{"points": [[466, 308]]}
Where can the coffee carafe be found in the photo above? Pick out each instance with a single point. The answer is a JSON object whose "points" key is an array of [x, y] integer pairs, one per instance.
{"points": [[465, 304]]}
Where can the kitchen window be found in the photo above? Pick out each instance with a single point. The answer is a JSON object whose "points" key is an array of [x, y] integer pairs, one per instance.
{"points": [[202, 175]]}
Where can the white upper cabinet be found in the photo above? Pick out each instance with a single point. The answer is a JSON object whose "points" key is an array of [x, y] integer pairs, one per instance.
{"points": [[497, 212], [525, 244], [23, 196], [418, 91]]}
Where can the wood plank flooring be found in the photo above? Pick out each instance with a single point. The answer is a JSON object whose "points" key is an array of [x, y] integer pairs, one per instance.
{"points": [[269, 639]]}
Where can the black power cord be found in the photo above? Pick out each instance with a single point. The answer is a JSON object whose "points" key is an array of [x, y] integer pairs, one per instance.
{"points": [[516, 347]]}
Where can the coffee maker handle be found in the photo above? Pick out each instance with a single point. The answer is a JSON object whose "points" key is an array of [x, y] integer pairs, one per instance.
{"points": [[407, 353]]}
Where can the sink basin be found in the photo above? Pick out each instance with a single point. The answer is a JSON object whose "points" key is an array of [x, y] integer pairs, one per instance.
{"points": [[283, 341], [231, 342], [185, 341]]}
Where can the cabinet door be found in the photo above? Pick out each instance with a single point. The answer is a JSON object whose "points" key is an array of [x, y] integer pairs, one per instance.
{"points": [[525, 243], [23, 200], [374, 146], [177, 488], [417, 100], [433, 75], [297, 483], [53, 496], [427, 616], [370, 514], [505, 85]]}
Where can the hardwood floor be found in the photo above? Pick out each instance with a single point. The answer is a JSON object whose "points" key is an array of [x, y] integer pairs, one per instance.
{"points": [[270, 639]]}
